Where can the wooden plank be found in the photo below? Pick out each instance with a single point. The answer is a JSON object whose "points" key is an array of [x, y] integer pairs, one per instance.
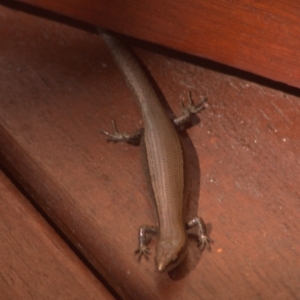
{"points": [[35, 262], [261, 37], [59, 86]]}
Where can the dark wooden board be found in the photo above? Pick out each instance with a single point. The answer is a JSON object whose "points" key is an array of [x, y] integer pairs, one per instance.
{"points": [[261, 37], [35, 262]]}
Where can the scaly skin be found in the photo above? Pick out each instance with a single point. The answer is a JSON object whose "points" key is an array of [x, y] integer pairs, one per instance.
{"points": [[164, 159]]}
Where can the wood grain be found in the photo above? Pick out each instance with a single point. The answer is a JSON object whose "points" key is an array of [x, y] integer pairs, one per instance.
{"points": [[35, 262], [59, 86], [261, 37]]}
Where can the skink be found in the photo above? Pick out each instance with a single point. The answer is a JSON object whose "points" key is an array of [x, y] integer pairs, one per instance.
{"points": [[164, 160]]}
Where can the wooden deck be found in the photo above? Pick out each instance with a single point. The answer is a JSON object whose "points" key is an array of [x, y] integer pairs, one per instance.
{"points": [[73, 231]]}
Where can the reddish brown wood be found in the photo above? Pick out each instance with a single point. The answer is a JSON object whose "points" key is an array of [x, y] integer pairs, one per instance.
{"points": [[59, 86], [35, 262], [257, 36]]}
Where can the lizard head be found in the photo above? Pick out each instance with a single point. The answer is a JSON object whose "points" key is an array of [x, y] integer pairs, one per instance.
{"points": [[170, 253]]}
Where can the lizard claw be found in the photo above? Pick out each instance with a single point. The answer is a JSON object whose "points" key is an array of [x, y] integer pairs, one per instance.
{"points": [[204, 241], [143, 251], [117, 136], [189, 109], [193, 108]]}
